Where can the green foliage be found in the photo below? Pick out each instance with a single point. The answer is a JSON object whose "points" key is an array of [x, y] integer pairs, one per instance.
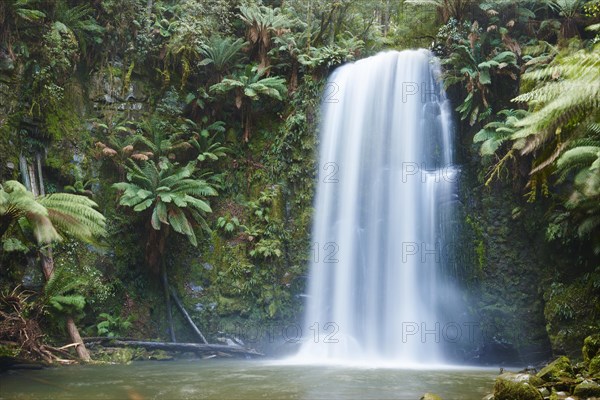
{"points": [[249, 88], [262, 24], [222, 54], [447, 9], [74, 215], [252, 85], [561, 131], [62, 292], [229, 225], [80, 21], [332, 55], [113, 326], [13, 244], [472, 64], [495, 133]]}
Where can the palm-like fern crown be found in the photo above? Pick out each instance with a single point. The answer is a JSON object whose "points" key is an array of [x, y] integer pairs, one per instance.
{"points": [[69, 214], [221, 52], [566, 100], [253, 85], [74, 215], [175, 198]]}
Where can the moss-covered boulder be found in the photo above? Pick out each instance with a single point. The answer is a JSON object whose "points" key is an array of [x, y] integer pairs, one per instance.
{"points": [[587, 389], [594, 366], [558, 370], [160, 355], [430, 396], [114, 355], [517, 386], [591, 347], [521, 378]]}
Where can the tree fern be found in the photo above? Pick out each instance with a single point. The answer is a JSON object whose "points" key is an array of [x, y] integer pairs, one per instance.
{"points": [[74, 215], [46, 216], [18, 205], [61, 292], [494, 134], [169, 194], [561, 132], [221, 53]]}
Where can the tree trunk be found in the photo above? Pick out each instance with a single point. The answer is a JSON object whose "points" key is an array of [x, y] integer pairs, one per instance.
{"points": [[165, 283], [48, 269], [81, 350], [187, 316], [247, 119]]}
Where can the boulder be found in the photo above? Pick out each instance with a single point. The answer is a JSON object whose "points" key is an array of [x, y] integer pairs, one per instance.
{"points": [[587, 389], [521, 378], [594, 368], [591, 347], [557, 370], [516, 386], [430, 396]]}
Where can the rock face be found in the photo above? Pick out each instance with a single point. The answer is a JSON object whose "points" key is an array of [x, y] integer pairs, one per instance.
{"points": [[505, 275], [107, 88], [516, 386]]}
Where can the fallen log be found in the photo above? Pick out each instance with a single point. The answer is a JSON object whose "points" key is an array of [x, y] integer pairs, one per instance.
{"points": [[184, 347]]}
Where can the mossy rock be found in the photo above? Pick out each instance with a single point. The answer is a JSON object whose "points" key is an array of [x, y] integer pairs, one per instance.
{"points": [[587, 389], [115, 355], [430, 396], [521, 378], [559, 369], [507, 388], [160, 355], [591, 347], [141, 354], [594, 368]]}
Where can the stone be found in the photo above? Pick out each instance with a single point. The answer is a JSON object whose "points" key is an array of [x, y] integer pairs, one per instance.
{"points": [[114, 355], [591, 347], [521, 377], [587, 389], [430, 396], [544, 392], [594, 368], [515, 386], [557, 370], [160, 355]]}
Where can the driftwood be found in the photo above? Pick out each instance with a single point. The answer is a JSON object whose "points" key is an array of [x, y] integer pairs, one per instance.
{"points": [[185, 347], [186, 315]]}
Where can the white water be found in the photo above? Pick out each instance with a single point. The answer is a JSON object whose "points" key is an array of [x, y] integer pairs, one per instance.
{"points": [[384, 208]]}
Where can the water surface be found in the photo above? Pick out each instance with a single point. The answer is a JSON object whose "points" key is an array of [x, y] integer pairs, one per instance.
{"points": [[242, 379]]}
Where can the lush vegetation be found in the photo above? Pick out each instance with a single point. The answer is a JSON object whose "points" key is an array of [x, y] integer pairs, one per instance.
{"points": [[171, 145]]}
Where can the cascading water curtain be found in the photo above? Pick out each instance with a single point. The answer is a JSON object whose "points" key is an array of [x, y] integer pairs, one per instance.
{"points": [[384, 217]]}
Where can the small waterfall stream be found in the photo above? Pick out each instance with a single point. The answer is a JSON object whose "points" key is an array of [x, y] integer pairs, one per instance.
{"points": [[384, 216]]}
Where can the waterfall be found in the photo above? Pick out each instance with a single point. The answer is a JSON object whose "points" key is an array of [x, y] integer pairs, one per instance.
{"points": [[384, 219]]}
